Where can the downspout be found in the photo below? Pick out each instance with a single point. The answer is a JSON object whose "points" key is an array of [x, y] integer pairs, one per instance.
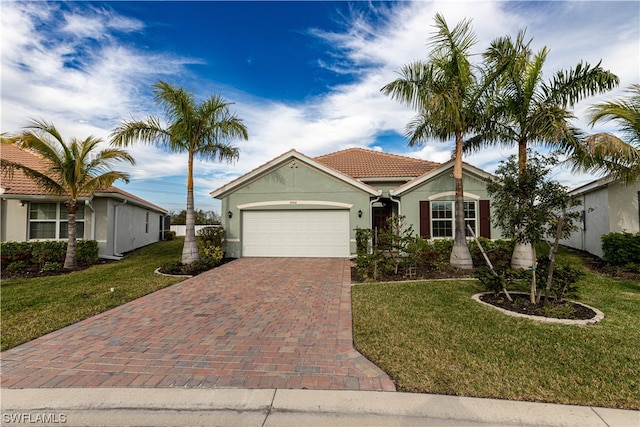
{"points": [[115, 228]]}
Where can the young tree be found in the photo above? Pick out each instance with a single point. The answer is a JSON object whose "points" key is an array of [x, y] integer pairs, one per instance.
{"points": [[527, 110], [74, 169], [529, 207], [446, 93], [607, 153], [201, 130]]}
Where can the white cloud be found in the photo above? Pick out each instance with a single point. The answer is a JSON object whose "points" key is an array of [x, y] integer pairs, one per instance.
{"points": [[44, 76]]}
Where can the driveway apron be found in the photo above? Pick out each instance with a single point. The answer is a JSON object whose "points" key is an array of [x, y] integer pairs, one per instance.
{"points": [[251, 323]]}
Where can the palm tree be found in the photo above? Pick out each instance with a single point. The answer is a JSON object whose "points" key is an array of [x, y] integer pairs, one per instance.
{"points": [[74, 169], [446, 94], [527, 110], [200, 130], [606, 153]]}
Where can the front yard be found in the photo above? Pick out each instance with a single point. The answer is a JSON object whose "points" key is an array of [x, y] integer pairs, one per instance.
{"points": [[34, 307], [431, 337]]}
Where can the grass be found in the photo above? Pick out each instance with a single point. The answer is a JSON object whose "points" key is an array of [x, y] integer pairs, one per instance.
{"points": [[431, 337], [34, 307]]}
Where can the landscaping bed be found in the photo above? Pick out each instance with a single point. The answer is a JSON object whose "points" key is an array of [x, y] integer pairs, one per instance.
{"points": [[557, 309]]}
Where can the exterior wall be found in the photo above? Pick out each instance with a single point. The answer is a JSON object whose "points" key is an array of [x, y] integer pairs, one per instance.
{"points": [[623, 214], [595, 205], [443, 185], [14, 221], [292, 185], [610, 208], [132, 230]]}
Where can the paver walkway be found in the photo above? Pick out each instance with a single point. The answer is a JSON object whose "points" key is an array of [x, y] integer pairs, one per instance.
{"points": [[251, 323]]}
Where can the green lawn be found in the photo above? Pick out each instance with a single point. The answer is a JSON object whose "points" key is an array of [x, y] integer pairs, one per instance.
{"points": [[33, 307], [431, 337]]}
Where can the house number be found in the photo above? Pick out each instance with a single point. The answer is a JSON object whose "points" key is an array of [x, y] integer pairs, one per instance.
{"points": [[293, 202]]}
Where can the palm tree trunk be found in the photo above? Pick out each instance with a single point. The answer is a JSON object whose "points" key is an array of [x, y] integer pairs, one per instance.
{"points": [[460, 255], [521, 257], [70, 261], [190, 248]]}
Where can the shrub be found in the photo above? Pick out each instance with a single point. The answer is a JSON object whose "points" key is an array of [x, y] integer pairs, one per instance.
{"points": [[213, 253], [498, 251], [51, 267], [44, 252], [363, 236], [14, 251], [169, 235], [621, 248], [18, 267], [87, 252], [565, 278], [214, 236]]}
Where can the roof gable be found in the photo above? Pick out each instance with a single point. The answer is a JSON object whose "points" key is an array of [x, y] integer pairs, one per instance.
{"points": [[466, 167], [292, 154], [359, 163]]}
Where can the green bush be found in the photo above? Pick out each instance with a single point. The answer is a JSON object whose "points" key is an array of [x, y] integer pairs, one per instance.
{"points": [[44, 252], [621, 248], [51, 267], [498, 251], [565, 278], [14, 251], [212, 236], [17, 267], [86, 252], [212, 253], [40, 253], [169, 235]]}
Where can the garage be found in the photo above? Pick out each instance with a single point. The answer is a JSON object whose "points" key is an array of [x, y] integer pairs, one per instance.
{"points": [[295, 233]]}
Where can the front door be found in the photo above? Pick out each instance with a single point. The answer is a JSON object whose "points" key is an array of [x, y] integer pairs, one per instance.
{"points": [[380, 216]]}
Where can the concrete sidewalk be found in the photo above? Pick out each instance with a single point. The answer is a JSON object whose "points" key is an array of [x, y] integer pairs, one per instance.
{"points": [[285, 407]]}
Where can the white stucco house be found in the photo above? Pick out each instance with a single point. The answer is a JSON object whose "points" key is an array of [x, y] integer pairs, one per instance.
{"points": [[119, 221], [607, 207]]}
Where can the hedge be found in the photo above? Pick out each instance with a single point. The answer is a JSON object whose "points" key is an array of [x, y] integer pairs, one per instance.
{"points": [[621, 248], [42, 253]]}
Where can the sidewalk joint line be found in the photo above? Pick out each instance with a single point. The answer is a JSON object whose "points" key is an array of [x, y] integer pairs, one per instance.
{"points": [[603, 420]]}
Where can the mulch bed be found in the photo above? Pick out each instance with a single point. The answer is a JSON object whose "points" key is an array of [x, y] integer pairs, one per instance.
{"points": [[34, 271], [521, 304]]}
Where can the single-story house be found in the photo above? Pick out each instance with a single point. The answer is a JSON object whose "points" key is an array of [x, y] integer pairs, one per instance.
{"points": [[607, 207], [299, 206], [119, 221]]}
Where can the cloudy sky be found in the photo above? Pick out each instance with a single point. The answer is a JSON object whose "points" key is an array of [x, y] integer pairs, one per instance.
{"points": [[303, 75]]}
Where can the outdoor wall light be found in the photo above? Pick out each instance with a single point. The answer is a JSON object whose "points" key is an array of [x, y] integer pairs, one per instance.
{"points": [[230, 214], [360, 214]]}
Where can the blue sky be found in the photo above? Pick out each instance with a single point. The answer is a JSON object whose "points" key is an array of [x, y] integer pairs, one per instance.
{"points": [[304, 75]]}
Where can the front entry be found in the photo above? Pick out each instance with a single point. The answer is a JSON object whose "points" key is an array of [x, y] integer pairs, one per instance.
{"points": [[380, 216]]}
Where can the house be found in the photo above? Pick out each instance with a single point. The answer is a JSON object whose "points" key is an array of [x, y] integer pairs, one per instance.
{"points": [[299, 206], [607, 207], [117, 220]]}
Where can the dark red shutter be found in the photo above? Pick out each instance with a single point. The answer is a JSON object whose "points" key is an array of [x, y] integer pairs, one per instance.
{"points": [[485, 219], [425, 220]]}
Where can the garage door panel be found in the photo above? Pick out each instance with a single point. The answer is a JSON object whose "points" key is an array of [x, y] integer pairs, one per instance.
{"points": [[296, 233]]}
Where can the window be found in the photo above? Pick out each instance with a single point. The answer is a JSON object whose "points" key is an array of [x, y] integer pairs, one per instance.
{"points": [[146, 226], [49, 221], [442, 218]]}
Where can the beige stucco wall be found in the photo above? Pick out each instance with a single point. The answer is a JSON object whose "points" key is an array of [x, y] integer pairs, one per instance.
{"points": [[623, 208]]}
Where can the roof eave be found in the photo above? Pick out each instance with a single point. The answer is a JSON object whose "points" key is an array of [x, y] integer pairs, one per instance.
{"points": [[398, 191]]}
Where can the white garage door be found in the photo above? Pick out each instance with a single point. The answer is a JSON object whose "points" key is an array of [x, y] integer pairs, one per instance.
{"points": [[296, 233]]}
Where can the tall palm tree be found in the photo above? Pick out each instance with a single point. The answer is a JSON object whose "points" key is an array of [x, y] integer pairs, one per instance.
{"points": [[528, 110], [74, 169], [201, 130], [446, 93], [606, 153]]}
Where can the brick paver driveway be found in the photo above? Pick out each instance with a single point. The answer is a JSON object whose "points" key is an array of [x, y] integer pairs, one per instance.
{"points": [[252, 323]]}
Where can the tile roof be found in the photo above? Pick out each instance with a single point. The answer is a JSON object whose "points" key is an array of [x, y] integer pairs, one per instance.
{"points": [[360, 163], [19, 184]]}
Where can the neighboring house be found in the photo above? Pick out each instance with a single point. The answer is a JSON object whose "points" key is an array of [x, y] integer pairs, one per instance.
{"points": [[607, 207], [117, 220], [299, 206]]}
